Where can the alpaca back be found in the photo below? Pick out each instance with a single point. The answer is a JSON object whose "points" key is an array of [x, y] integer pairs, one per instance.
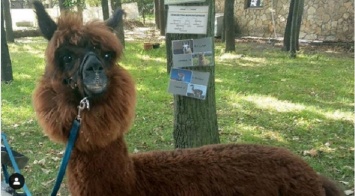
{"points": [[235, 169]]}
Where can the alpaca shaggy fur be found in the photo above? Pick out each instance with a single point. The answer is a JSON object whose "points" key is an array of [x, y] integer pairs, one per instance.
{"points": [[100, 163]]}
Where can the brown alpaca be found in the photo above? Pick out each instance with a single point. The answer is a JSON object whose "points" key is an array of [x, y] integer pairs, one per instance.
{"points": [[81, 62]]}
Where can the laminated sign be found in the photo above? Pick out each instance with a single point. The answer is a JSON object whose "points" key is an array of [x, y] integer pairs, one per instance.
{"points": [[188, 83], [168, 2], [187, 19], [192, 52]]}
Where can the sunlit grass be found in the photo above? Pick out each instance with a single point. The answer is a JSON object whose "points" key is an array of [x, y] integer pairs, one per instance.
{"points": [[262, 96]]}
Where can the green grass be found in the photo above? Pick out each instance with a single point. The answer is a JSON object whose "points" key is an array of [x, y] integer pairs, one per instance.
{"points": [[304, 104]]}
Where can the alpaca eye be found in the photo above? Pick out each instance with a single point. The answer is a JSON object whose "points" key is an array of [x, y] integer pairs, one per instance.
{"points": [[108, 56], [67, 59]]}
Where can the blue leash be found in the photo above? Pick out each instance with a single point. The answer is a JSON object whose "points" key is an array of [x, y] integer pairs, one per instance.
{"points": [[13, 162], [72, 138], [84, 103]]}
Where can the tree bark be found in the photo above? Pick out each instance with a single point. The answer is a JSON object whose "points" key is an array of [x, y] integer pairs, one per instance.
{"points": [[299, 21], [8, 22], [162, 18], [293, 27], [195, 121], [105, 9], [229, 25], [156, 13], [6, 67], [286, 46], [293, 30], [80, 4], [119, 31]]}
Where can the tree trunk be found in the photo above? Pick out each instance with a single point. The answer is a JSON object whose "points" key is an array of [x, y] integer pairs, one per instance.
{"points": [[293, 35], [162, 18], [293, 27], [63, 6], [6, 68], [8, 22], [229, 25], [156, 13], [105, 9], [195, 121], [299, 21], [286, 46], [80, 4], [119, 31]]}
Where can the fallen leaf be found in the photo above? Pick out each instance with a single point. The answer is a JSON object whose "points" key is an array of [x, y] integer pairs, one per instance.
{"points": [[312, 152], [40, 162], [46, 171], [48, 182], [55, 158]]}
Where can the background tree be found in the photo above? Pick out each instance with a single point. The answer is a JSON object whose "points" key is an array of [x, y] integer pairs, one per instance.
{"points": [[80, 5], [8, 21], [156, 13], [162, 18], [6, 68], [195, 121], [228, 21], [293, 27], [119, 31], [64, 5], [105, 9]]}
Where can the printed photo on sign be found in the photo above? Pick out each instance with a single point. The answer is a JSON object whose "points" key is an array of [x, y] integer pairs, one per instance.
{"points": [[181, 75], [202, 59], [196, 91], [182, 46]]}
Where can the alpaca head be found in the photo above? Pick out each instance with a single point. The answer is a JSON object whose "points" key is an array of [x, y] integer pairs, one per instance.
{"points": [[81, 62], [80, 55]]}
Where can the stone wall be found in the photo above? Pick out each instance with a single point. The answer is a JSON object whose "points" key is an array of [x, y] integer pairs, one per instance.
{"points": [[324, 20]]}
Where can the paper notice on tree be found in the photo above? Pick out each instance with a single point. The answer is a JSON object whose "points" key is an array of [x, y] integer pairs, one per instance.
{"points": [[167, 2], [187, 19]]}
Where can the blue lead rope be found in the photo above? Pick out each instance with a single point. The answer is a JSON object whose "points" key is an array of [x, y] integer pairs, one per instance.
{"points": [[13, 162], [72, 138]]}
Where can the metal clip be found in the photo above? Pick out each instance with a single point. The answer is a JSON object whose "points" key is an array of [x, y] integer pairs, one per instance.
{"points": [[84, 103]]}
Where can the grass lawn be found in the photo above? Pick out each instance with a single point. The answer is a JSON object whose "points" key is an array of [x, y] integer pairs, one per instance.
{"points": [[304, 104]]}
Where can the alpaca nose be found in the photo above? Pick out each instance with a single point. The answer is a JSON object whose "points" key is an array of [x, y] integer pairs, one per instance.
{"points": [[92, 63], [93, 75]]}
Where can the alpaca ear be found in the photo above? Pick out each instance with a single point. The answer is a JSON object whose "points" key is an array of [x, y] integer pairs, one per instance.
{"points": [[115, 19], [45, 22]]}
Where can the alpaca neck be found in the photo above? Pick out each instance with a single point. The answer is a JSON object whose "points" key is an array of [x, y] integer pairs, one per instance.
{"points": [[109, 167]]}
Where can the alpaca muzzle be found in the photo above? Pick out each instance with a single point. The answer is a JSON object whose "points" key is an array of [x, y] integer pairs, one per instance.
{"points": [[92, 73]]}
